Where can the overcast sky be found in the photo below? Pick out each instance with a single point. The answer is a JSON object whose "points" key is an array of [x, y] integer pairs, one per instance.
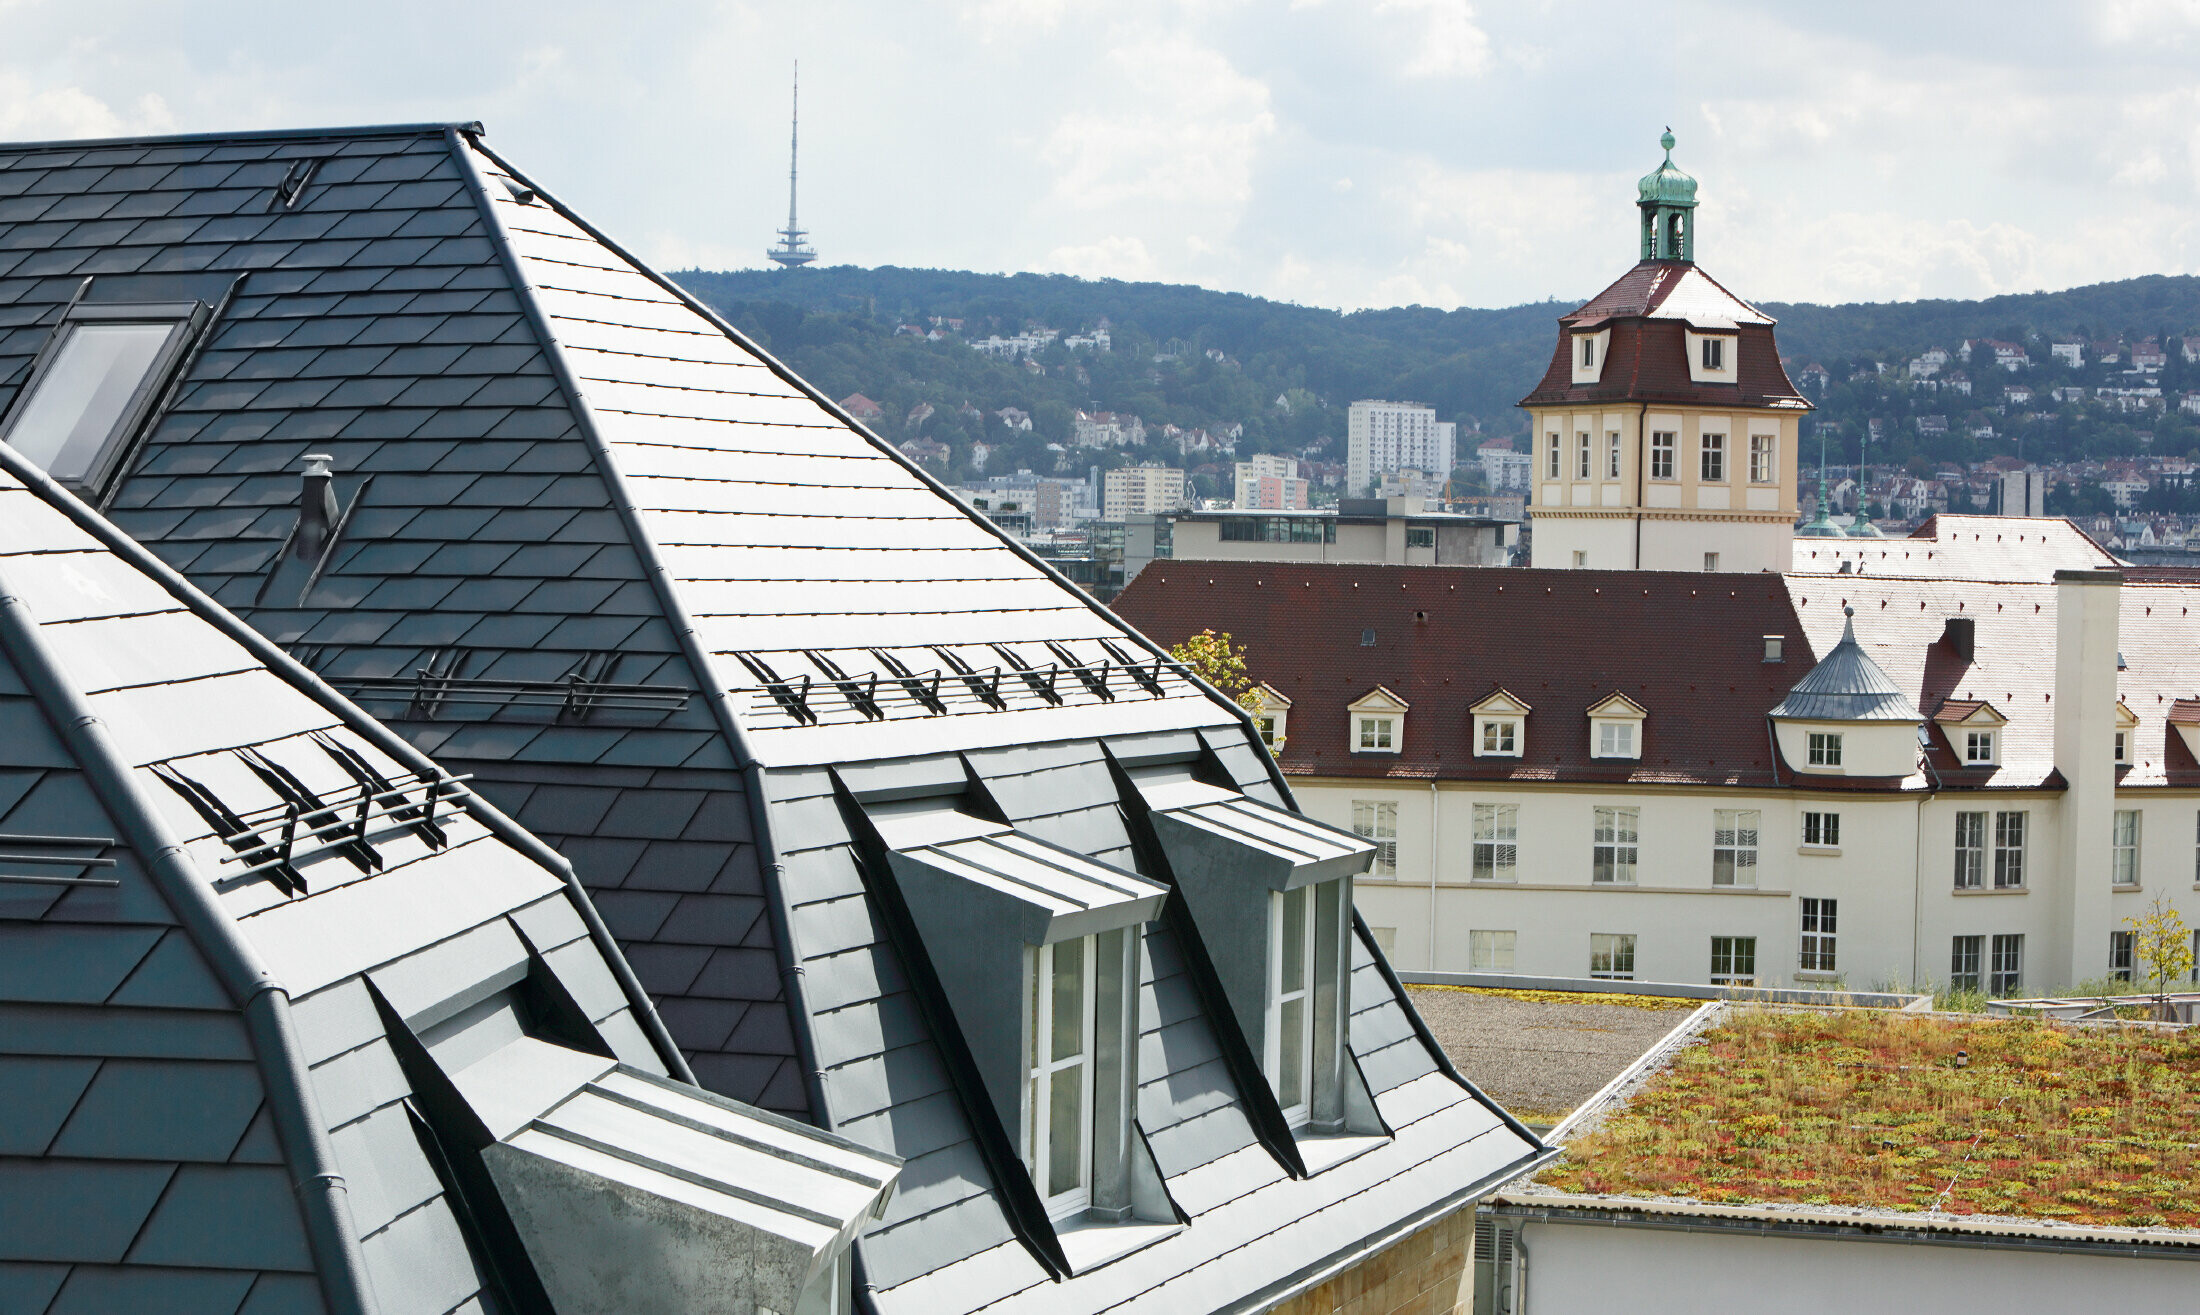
{"points": [[1332, 152]]}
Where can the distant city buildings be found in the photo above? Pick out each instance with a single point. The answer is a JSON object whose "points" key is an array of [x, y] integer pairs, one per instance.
{"points": [[1271, 483], [1141, 490], [1107, 429], [1505, 470], [1382, 437]]}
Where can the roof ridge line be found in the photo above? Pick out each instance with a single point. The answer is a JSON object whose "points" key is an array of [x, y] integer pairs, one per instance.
{"points": [[257, 135]]}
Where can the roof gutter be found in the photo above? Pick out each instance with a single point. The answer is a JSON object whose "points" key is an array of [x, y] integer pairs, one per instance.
{"points": [[359, 723], [714, 691], [1275, 1294], [323, 1201]]}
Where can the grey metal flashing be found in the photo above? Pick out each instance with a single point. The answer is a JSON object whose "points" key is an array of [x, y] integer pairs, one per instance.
{"points": [[676, 615], [264, 1002], [1428, 1038], [833, 408], [1888, 1229], [382, 737], [258, 135], [1339, 1261], [150, 421]]}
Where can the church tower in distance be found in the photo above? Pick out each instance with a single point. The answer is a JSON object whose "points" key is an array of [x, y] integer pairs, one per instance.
{"points": [[1666, 429]]}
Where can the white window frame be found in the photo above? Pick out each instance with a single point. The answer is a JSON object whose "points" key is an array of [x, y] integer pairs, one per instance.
{"points": [[1611, 454], [1711, 458], [2123, 748], [1971, 848], [1615, 951], [2011, 828], [1615, 846], [1615, 737], [1588, 343], [1967, 963], [1554, 464], [1821, 829], [2005, 966], [1740, 955], [1041, 1069], [1376, 821], [1584, 455], [2122, 955], [2123, 848], [1496, 854], [1819, 950], [1713, 351], [1497, 737], [1980, 746], [1492, 951], [1375, 732], [1298, 1113], [1764, 463], [1664, 444], [179, 324], [1734, 836], [1823, 748]]}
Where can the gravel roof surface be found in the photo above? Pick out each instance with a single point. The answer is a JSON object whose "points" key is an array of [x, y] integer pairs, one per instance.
{"points": [[1540, 1055]]}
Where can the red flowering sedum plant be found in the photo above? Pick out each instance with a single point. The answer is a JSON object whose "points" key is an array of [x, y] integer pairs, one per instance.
{"points": [[1868, 1108]]}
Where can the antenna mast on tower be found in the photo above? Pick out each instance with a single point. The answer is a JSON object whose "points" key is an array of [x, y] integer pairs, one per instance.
{"points": [[792, 250]]}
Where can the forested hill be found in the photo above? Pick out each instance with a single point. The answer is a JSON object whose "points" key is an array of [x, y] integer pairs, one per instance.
{"points": [[837, 326]]}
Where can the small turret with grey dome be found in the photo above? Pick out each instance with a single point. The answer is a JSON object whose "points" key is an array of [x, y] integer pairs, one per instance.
{"points": [[1668, 200], [1846, 685]]}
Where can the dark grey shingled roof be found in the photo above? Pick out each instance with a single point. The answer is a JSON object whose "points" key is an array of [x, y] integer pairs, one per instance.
{"points": [[579, 473], [1846, 685]]}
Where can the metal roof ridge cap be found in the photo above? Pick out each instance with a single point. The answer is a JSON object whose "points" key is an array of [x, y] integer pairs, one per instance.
{"points": [[715, 692], [306, 681], [779, 368], [253, 135], [262, 1000]]}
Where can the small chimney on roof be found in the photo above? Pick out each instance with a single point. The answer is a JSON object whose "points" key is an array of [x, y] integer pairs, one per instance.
{"points": [[316, 508], [1961, 635]]}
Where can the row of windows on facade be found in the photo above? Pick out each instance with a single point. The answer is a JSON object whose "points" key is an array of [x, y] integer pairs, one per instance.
{"points": [[1764, 464], [1992, 964], [1984, 842], [1733, 958]]}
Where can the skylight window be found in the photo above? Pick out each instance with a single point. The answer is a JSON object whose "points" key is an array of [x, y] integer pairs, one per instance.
{"points": [[92, 387]]}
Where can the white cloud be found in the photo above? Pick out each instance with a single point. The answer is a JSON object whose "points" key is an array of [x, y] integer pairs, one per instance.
{"points": [[1446, 41], [32, 113], [1180, 125], [1113, 257]]}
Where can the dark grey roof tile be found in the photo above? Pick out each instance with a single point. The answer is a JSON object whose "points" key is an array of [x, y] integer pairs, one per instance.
{"points": [[892, 1256], [101, 1289], [29, 1287], [506, 630], [59, 1211], [660, 814], [667, 970], [289, 1294], [162, 1110], [743, 1077], [677, 865], [38, 1093], [494, 742]]}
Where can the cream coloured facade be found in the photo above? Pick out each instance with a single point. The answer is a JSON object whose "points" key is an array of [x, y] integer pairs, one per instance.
{"points": [[1665, 490]]}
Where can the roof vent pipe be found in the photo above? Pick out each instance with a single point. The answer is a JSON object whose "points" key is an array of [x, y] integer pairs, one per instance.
{"points": [[1961, 635], [316, 508]]}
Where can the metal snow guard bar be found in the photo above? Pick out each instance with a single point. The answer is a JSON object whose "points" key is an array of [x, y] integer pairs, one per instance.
{"points": [[573, 695], [2183, 1007], [1778, 995], [933, 689], [351, 812]]}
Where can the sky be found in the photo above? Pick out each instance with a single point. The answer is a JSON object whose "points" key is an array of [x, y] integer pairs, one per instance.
{"points": [[1344, 153]]}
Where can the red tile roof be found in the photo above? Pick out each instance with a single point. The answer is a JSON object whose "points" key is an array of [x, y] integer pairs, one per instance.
{"points": [[1688, 648], [1649, 311]]}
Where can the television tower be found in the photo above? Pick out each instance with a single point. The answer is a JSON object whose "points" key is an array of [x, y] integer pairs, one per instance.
{"points": [[792, 250]]}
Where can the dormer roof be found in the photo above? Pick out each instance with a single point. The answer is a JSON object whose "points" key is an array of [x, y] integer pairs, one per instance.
{"points": [[2125, 717], [1968, 712], [1615, 705], [1846, 685], [1378, 699], [1500, 701]]}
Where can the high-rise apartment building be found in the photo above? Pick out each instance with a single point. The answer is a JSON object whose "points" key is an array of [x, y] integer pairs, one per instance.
{"points": [[1140, 490], [1382, 437], [1271, 483]]}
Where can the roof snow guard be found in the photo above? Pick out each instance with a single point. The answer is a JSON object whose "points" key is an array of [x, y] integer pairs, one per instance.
{"points": [[216, 877], [1846, 685]]}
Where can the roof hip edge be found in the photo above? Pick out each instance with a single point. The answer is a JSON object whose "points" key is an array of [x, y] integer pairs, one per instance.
{"points": [[290, 670], [264, 1002]]}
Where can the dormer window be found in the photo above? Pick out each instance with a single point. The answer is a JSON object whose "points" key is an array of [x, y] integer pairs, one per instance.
{"points": [[93, 386], [1059, 1070], [1500, 725], [2123, 748], [1292, 935], [1378, 722], [2127, 727], [1978, 747], [1711, 358], [1825, 748], [1615, 728], [1589, 355]]}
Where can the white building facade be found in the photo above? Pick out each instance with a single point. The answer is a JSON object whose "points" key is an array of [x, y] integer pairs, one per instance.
{"points": [[1141, 490]]}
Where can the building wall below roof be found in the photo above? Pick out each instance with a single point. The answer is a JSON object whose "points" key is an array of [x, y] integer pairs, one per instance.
{"points": [[1578, 1267], [1427, 1273], [1892, 878]]}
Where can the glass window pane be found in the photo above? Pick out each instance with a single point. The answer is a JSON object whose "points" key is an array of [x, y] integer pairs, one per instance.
{"points": [[1293, 953], [1291, 1082], [67, 421], [1066, 1131], [1069, 990]]}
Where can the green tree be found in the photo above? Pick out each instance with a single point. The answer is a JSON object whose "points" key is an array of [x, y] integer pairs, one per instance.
{"points": [[1221, 663], [2163, 948]]}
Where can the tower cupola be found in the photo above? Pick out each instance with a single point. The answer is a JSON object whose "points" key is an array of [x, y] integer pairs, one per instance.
{"points": [[1668, 200]]}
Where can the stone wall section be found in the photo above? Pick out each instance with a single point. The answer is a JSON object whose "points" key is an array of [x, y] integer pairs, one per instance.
{"points": [[1428, 1273]]}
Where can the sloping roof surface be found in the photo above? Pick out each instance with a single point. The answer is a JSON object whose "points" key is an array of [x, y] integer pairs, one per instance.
{"points": [[1686, 647], [1956, 547], [154, 1177], [1649, 312]]}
